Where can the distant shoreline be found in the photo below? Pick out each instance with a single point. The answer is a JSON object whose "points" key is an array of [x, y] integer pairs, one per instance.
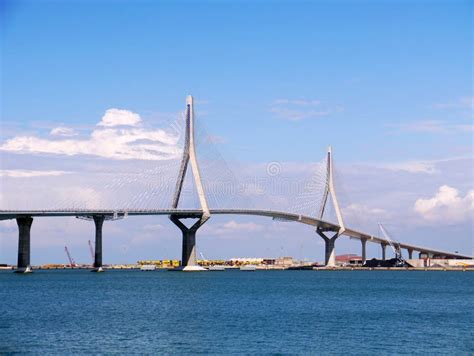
{"points": [[319, 269]]}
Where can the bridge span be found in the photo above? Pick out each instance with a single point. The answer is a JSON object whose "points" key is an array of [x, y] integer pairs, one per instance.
{"points": [[25, 218], [329, 232]]}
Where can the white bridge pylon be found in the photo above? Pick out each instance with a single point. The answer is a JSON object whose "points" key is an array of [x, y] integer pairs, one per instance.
{"points": [[189, 260], [330, 189], [330, 252], [188, 257], [189, 154]]}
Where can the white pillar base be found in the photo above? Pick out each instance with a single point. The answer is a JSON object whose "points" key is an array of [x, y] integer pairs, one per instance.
{"points": [[100, 269], [24, 270], [190, 269]]}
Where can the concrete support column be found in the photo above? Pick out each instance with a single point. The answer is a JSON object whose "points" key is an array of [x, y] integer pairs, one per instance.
{"points": [[188, 252], [410, 254], [384, 256], [330, 252], [364, 251], [99, 222], [24, 227]]}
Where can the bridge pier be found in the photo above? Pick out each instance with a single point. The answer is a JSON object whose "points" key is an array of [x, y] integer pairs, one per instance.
{"points": [[188, 254], [330, 253], [364, 251], [410, 254], [24, 247], [98, 222], [383, 246]]}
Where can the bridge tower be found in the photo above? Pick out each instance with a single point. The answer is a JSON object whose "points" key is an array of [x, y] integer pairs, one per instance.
{"points": [[330, 253], [24, 246], [188, 256]]}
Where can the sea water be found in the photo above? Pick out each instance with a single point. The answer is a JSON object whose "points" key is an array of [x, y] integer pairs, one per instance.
{"points": [[370, 312]]}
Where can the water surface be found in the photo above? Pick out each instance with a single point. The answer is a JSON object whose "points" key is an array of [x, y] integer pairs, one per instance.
{"points": [[237, 312]]}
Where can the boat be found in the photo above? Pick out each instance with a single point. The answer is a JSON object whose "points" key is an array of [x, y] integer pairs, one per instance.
{"points": [[216, 268], [393, 262], [147, 267], [248, 268]]}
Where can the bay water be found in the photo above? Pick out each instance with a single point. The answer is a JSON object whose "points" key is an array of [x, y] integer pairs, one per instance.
{"points": [[278, 312]]}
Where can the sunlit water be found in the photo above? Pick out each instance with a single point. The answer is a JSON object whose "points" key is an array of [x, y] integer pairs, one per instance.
{"points": [[237, 312]]}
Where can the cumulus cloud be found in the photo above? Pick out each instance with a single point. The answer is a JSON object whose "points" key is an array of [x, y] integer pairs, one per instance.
{"points": [[117, 117], [23, 173], [299, 109], [63, 131], [446, 206], [116, 137]]}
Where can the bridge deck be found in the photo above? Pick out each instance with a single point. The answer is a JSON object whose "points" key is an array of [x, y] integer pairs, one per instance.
{"points": [[12, 214]]}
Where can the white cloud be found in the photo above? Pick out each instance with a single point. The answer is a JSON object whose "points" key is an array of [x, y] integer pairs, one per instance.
{"points": [[298, 102], [232, 228], [431, 167], [8, 225], [235, 226], [299, 109], [446, 206], [360, 209], [363, 216], [433, 126], [466, 102], [63, 131], [412, 167], [153, 227], [117, 117], [23, 173], [143, 239], [76, 197], [107, 141]]}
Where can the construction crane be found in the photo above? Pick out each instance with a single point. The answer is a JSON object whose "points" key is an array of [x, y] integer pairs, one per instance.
{"points": [[91, 249], [395, 245], [72, 263]]}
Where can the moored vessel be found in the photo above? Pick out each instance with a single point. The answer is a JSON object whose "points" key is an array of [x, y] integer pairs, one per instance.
{"points": [[216, 268], [147, 268], [248, 268]]}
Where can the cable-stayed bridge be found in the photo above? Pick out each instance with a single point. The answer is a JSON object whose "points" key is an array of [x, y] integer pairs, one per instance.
{"points": [[312, 204]]}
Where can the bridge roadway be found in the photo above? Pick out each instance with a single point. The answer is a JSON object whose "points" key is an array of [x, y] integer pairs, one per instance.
{"points": [[324, 225]]}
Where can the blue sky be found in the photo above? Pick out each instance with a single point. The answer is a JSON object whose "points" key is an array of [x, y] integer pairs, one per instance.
{"points": [[387, 83]]}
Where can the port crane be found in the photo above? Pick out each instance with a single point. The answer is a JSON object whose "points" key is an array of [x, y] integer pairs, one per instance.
{"points": [[395, 245], [72, 263]]}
